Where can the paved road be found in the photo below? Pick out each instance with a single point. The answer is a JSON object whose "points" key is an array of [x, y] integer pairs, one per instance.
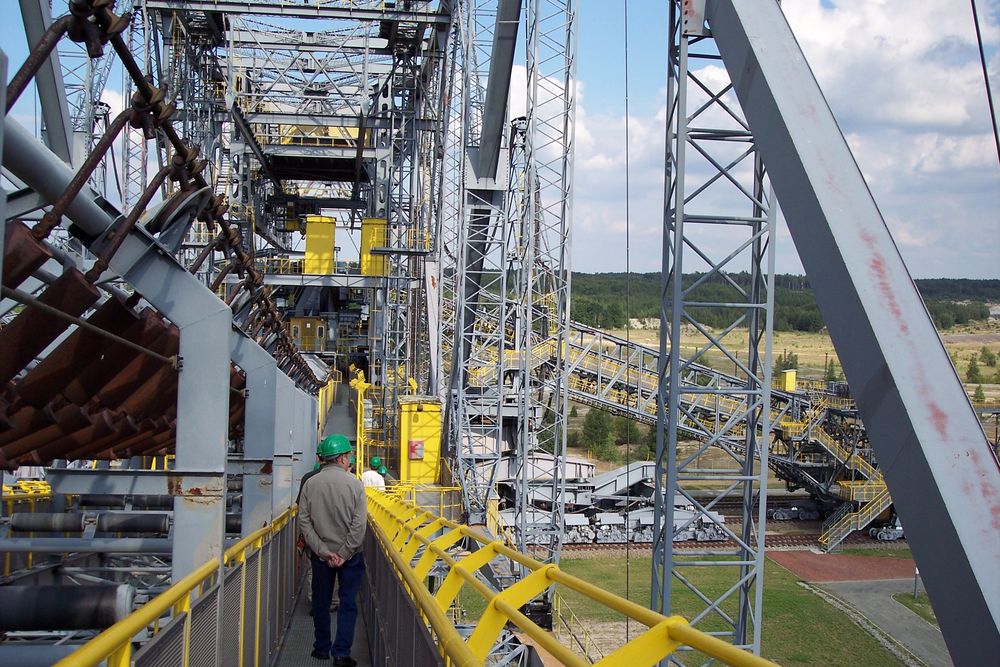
{"points": [[874, 600]]}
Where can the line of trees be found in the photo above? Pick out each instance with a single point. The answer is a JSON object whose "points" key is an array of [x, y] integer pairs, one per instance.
{"points": [[600, 299]]}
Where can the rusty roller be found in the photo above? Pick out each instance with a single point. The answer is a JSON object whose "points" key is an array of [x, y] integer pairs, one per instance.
{"points": [[69, 419], [151, 398], [123, 427], [140, 368], [149, 429], [79, 349], [98, 426], [33, 330], [23, 254], [130, 377], [64, 607], [162, 443], [99, 371], [112, 522], [141, 502], [48, 522], [25, 421]]}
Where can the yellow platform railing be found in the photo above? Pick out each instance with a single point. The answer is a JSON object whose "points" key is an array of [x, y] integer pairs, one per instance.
{"points": [[415, 540], [114, 645]]}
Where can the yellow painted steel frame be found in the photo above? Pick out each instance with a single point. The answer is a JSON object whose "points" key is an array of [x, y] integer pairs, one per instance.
{"points": [[404, 530], [115, 643]]}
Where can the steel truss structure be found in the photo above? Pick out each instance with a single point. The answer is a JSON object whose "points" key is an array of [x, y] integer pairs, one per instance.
{"points": [[715, 196], [508, 377], [399, 113]]}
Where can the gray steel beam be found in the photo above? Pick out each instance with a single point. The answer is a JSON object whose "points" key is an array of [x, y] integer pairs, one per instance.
{"points": [[309, 118], [315, 280], [498, 87], [943, 476], [23, 203], [302, 67], [304, 10], [241, 124], [204, 322], [260, 431], [37, 18], [73, 481], [325, 152], [284, 456], [306, 42], [59, 545]]}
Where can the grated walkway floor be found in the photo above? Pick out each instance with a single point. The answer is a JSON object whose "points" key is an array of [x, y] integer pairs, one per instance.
{"points": [[339, 419], [299, 640]]}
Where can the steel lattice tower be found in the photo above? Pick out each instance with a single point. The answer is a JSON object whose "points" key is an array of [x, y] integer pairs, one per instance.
{"points": [[726, 250]]}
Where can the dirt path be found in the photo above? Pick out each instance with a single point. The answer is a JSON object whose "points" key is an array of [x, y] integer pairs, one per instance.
{"points": [[812, 566]]}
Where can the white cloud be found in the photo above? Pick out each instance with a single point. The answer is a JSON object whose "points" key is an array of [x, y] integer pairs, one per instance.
{"points": [[903, 79]]}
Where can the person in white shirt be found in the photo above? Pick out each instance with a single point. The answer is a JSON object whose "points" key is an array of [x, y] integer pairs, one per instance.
{"points": [[371, 477]]}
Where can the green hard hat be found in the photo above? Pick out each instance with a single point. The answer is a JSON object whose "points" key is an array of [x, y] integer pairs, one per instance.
{"points": [[376, 462], [333, 445], [382, 470]]}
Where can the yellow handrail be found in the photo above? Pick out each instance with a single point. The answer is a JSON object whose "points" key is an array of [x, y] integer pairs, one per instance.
{"points": [[403, 529], [115, 643]]}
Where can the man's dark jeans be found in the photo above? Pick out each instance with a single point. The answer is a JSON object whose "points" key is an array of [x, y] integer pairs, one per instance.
{"points": [[351, 573]]}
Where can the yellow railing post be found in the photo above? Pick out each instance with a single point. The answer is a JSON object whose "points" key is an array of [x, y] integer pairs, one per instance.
{"points": [[398, 525]]}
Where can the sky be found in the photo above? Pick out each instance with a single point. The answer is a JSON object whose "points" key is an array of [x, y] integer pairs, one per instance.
{"points": [[904, 81], [902, 77]]}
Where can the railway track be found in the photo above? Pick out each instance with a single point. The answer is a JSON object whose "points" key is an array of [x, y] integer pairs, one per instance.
{"points": [[800, 541]]}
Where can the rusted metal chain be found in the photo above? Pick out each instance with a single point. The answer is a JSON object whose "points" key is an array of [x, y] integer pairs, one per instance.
{"points": [[53, 217], [149, 110], [117, 236]]}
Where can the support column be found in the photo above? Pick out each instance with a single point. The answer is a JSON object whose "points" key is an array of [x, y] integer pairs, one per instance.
{"points": [[205, 322], [37, 18], [260, 428], [283, 489], [942, 474]]}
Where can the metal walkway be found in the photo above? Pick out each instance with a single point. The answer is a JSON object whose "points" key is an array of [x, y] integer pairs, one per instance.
{"points": [[299, 639]]}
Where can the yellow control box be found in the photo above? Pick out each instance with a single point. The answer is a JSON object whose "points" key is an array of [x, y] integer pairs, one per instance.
{"points": [[372, 236], [419, 439], [321, 236], [788, 380]]}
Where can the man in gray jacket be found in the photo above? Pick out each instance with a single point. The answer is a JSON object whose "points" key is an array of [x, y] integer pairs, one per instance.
{"points": [[333, 516]]}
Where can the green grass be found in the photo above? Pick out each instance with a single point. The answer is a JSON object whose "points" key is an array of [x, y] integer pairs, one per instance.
{"points": [[799, 627], [881, 553], [921, 606]]}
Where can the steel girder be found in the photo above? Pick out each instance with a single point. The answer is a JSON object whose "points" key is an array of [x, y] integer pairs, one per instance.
{"points": [[37, 17], [204, 322], [943, 476]]}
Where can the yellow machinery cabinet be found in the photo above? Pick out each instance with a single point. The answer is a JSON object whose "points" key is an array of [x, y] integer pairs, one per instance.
{"points": [[372, 236], [419, 439], [321, 235], [309, 333], [788, 380]]}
